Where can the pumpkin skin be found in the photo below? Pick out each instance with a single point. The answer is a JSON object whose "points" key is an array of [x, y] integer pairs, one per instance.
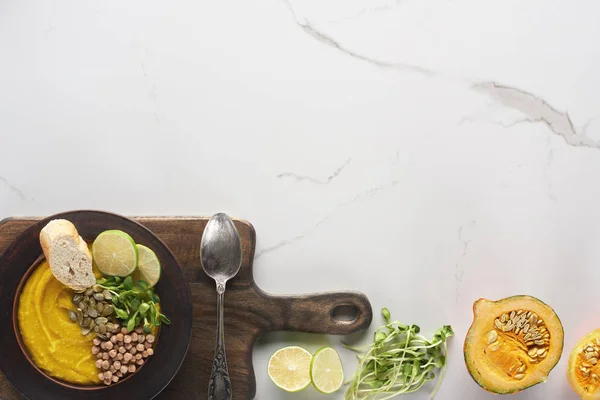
{"points": [[506, 352], [582, 372]]}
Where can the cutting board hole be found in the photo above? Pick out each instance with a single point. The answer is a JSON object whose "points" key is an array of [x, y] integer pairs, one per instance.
{"points": [[344, 313]]}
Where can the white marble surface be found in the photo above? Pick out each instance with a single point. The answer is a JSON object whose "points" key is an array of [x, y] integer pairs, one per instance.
{"points": [[427, 153]]}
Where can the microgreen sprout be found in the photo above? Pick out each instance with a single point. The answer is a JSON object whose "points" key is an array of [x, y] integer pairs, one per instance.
{"points": [[399, 361]]}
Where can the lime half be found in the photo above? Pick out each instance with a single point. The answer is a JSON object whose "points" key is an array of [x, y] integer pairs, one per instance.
{"points": [[114, 253], [148, 267], [326, 370], [289, 368]]}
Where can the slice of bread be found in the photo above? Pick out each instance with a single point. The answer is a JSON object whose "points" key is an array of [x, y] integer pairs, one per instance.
{"points": [[68, 255]]}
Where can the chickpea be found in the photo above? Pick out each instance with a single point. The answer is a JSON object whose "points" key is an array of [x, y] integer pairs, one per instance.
{"points": [[141, 338], [101, 376], [99, 365], [119, 356], [122, 349], [124, 331], [140, 362], [148, 344], [115, 378], [127, 339], [107, 382], [127, 357], [105, 365], [113, 353], [95, 350], [112, 369], [128, 346], [117, 365], [138, 330], [97, 341], [120, 374], [145, 354], [134, 337], [138, 356], [132, 368], [99, 355], [150, 351], [124, 369], [120, 337], [105, 356], [150, 338], [139, 347], [108, 345], [113, 339], [108, 375], [133, 350]]}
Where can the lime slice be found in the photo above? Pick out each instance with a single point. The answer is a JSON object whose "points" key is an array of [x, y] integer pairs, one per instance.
{"points": [[114, 253], [326, 370], [148, 268], [289, 368]]}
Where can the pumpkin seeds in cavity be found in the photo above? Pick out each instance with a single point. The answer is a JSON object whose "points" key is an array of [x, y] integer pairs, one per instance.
{"points": [[492, 336], [593, 361], [107, 295], [77, 298], [85, 331], [98, 296], [519, 376], [92, 312], [89, 292], [512, 315], [108, 310], [498, 324], [532, 352], [503, 318], [73, 315], [522, 368], [527, 336]]}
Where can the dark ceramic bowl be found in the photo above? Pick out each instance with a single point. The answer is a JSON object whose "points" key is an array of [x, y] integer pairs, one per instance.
{"points": [[24, 255]]}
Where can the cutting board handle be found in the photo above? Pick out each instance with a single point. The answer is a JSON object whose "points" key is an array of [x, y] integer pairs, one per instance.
{"points": [[335, 313]]}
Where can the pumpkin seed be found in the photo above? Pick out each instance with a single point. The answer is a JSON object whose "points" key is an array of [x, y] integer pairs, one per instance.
{"points": [[526, 328], [519, 376], [92, 324], [92, 302], [498, 323], [77, 298], [85, 331], [593, 361], [108, 310], [97, 328], [98, 296], [73, 315], [97, 288], [532, 352], [522, 368], [86, 322], [101, 320], [102, 329], [503, 318], [100, 307], [82, 305], [540, 342], [492, 336], [79, 316], [512, 315], [107, 294], [102, 336], [89, 292]]}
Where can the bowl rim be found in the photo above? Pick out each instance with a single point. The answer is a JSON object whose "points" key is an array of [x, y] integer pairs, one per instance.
{"points": [[96, 388]]}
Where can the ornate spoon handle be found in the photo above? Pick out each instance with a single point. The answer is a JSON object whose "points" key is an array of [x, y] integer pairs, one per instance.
{"points": [[219, 385]]}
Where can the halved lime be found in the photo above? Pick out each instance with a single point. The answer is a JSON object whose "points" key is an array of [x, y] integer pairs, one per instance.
{"points": [[148, 268], [114, 253], [326, 370], [289, 368]]}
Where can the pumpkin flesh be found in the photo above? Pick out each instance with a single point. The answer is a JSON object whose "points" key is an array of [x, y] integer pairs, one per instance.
{"points": [[513, 343]]}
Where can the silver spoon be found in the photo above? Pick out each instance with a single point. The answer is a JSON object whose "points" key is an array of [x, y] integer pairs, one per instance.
{"points": [[221, 257]]}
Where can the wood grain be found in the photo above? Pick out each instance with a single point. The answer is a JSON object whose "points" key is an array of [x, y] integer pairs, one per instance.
{"points": [[249, 311]]}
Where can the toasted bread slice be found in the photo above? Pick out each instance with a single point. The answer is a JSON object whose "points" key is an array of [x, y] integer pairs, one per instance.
{"points": [[68, 255]]}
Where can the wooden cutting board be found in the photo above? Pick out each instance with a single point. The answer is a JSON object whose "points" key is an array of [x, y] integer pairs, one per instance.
{"points": [[249, 311]]}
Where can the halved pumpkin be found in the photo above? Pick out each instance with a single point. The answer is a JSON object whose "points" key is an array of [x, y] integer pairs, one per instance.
{"points": [[513, 343], [583, 369]]}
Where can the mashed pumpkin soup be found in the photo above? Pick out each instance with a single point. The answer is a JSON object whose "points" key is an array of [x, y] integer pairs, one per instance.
{"points": [[53, 341]]}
